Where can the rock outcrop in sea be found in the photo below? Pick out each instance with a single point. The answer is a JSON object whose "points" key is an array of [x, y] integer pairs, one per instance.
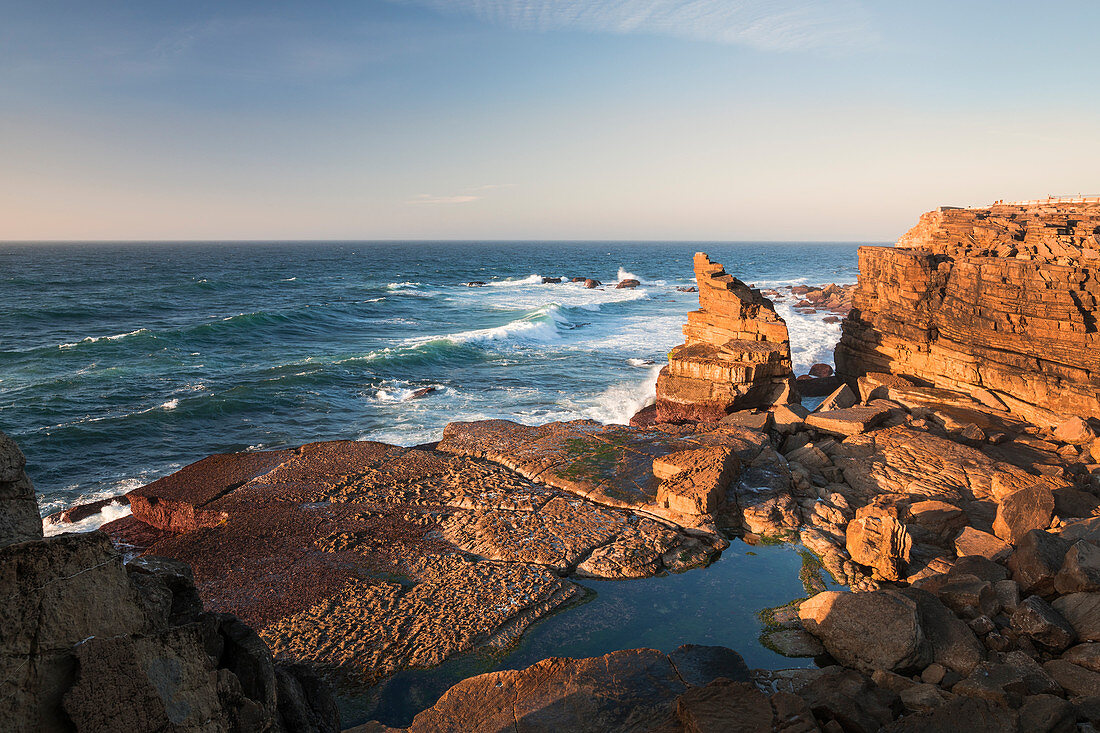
{"points": [[736, 353], [998, 303]]}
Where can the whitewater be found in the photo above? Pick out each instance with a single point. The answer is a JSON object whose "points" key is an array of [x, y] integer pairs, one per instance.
{"points": [[122, 363]]}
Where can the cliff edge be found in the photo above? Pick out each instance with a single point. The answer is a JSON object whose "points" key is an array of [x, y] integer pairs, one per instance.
{"points": [[1000, 303]]}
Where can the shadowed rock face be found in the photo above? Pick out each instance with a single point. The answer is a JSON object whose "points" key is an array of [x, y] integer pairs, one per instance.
{"points": [[736, 353], [1002, 299]]}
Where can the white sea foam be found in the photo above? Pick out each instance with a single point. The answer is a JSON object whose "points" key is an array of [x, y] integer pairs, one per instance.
{"points": [[639, 362], [529, 280], [402, 286], [624, 275], [170, 404], [619, 402], [812, 340], [401, 391], [109, 513], [94, 339], [540, 326], [288, 279]]}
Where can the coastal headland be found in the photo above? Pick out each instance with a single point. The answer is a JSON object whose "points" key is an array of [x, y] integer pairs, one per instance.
{"points": [[947, 476]]}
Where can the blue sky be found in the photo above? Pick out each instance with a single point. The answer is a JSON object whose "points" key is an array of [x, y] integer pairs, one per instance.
{"points": [[498, 119]]}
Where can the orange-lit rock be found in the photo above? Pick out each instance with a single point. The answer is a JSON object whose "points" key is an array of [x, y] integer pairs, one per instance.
{"points": [[999, 301], [736, 353]]}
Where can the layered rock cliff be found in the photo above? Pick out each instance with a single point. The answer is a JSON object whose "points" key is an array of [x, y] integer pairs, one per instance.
{"points": [[999, 302], [736, 353]]}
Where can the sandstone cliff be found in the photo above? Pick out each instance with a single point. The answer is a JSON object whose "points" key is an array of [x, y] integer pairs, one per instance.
{"points": [[736, 353], [1000, 303]]}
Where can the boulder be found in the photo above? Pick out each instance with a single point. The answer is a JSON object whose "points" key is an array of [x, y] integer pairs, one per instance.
{"points": [[848, 421], [976, 542], [821, 370], [978, 566], [1022, 511], [869, 631], [942, 519], [789, 418], [1080, 569], [551, 280], [1075, 680], [591, 283], [880, 542], [954, 645], [1007, 682], [961, 714], [1036, 560], [968, 596], [1082, 611], [841, 399], [1047, 714], [1085, 655], [628, 283], [849, 701], [724, 705], [1070, 502], [1074, 430], [1035, 619]]}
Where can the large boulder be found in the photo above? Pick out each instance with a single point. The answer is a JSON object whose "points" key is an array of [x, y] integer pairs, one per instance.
{"points": [[1082, 610], [1022, 511], [1036, 560], [880, 542], [961, 714], [1035, 618], [1080, 570], [869, 631]]}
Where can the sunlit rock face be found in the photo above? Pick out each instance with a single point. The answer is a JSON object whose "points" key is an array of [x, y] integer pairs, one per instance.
{"points": [[736, 353], [999, 301]]}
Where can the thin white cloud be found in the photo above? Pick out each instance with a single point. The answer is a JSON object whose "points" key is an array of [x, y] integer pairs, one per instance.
{"points": [[472, 194], [427, 198], [768, 24]]}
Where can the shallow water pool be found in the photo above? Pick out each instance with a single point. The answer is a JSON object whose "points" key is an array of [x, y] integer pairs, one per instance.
{"points": [[716, 605]]}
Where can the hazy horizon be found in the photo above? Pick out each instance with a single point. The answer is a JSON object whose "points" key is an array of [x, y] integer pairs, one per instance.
{"points": [[535, 120]]}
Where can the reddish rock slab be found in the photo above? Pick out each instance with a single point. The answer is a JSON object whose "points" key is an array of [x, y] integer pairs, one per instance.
{"points": [[177, 502]]}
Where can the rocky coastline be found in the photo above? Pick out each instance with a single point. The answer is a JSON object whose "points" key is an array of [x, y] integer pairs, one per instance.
{"points": [[949, 479]]}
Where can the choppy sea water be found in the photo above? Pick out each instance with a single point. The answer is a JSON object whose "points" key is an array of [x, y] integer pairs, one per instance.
{"points": [[121, 363]]}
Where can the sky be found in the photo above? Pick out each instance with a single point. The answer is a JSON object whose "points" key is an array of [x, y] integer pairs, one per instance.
{"points": [[536, 119]]}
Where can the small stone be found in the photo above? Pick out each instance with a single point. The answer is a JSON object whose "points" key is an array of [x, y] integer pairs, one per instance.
{"points": [[933, 673]]}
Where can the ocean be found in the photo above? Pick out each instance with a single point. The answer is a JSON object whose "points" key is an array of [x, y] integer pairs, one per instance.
{"points": [[120, 363]]}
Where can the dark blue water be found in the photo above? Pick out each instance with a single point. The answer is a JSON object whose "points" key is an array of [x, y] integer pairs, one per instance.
{"points": [[120, 363]]}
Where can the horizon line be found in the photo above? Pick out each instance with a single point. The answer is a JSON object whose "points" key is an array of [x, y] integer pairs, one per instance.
{"points": [[449, 241]]}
